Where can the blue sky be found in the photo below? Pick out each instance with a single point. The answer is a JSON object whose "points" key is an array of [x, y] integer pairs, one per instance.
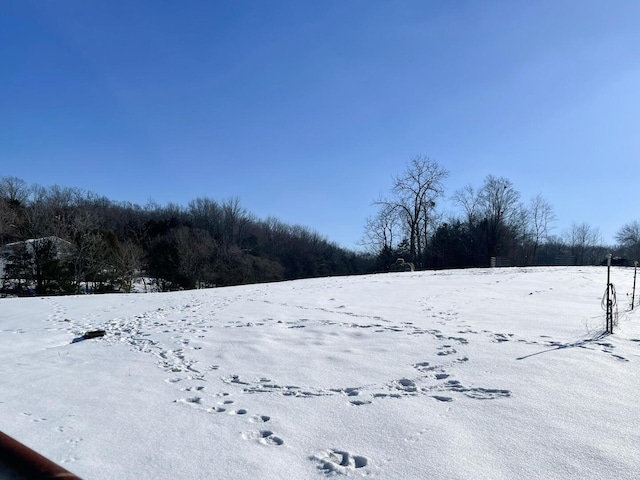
{"points": [[306, 109]]}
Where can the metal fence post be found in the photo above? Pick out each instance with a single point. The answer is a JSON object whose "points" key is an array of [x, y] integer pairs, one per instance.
{"points": [[609, 302], [633, 294]]}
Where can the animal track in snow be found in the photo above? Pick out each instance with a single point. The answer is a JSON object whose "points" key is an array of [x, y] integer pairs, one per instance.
{"points": [[260, 419], [339, 462], [442, 398], [71, 441], [74, 441], [69, 459], [501, 337], [477, 393], [349, 392], [265, 385], [446, 350], [265, 437], [234, 379], [405, 385], [189, 400], [33, 418], [423, 367], [487, 393], [222, 407], [198, 388], [619, 357]]}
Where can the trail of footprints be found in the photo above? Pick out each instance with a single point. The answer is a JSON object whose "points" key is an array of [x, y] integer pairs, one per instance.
{"points": [[433, 380], [428, 380], [332, 461], [227, 406], [72, 442]]}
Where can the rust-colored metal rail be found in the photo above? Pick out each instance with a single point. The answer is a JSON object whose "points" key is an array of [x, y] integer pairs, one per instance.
{"points": [[17, 461]]}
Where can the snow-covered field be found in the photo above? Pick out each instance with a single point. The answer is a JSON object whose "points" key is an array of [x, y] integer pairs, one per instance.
{"points": [[469, 374]]}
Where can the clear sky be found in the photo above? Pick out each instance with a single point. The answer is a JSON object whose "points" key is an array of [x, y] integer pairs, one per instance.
{"points": [[306, 109]]}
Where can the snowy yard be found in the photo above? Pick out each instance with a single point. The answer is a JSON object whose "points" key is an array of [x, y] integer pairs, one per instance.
{"points": [[469, 374]]}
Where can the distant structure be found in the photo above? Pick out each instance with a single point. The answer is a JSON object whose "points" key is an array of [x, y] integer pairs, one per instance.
{"points": [[617, 262], [11, 252], [500, 261], [565, 260], [402, 266]]}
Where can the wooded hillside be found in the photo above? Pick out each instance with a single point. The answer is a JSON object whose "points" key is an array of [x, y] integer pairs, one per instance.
{"points": [[206, 243]]}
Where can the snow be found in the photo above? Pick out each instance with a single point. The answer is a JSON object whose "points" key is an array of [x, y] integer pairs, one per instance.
{"points": [[467, 374]]}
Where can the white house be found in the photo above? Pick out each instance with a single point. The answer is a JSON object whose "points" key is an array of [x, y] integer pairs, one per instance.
{"points": [[61, 247]]}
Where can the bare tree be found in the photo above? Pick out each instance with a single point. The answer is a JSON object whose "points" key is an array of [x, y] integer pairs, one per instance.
{"points": [[629, 238], [14, 189], [522, 235], [197, 252], [583, 239], [413, 201], [381, 231], [234, 220], [496, 222], [206, 214], [127, 259], [468, 199], [14, 193], [498, 202], [541, 217]]}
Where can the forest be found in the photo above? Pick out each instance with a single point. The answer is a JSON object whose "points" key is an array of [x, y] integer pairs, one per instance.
{"points": [[65, 240]]}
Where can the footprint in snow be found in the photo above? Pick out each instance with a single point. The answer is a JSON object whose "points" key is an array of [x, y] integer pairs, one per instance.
{"points": [[193, 389], [487, 393], [349, 392], [447, 350], [442, 398], [618, 357], [264, 437], [189, 401], [501, 337], [477, 393], [33, 418], [260, 419], [339, 462], [423, 367], [405, 385]]}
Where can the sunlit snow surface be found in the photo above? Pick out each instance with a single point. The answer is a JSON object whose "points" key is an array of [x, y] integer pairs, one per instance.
{"points": [[469, 374]]}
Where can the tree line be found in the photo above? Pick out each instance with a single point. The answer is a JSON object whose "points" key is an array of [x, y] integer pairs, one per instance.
{"points": [[494, 223], [67, 240]]}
